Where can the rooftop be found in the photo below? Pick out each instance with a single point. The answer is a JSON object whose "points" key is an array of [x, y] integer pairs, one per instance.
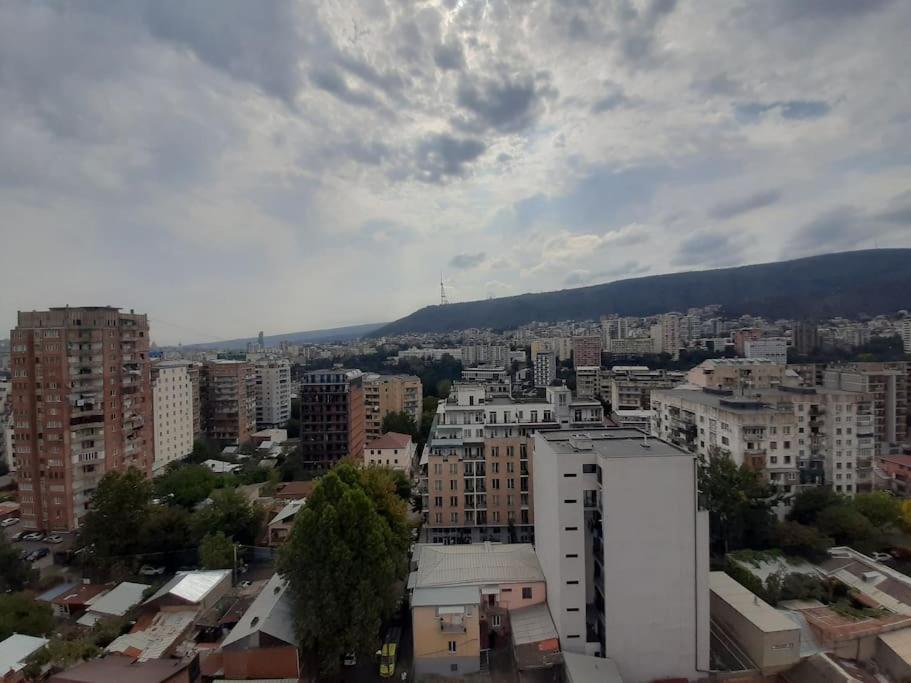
{"points": [[121, 668], [391, 440], [152, 639], [271, 613], [759, 613], [82, 594], [447, 595], [16, 649], [608, 442], [192, 586], [474, 565], [115, 603], [288, 511], [587, 669]]}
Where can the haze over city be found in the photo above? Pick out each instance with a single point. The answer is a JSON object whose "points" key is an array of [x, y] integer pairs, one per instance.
{"points": [[227, 167]]}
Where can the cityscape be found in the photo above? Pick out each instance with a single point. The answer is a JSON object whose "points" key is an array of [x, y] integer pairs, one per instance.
{"points": [[554, 341]]}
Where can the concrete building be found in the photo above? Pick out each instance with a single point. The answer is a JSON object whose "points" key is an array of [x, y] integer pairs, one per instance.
{"points": [[561, 347], [906, 334], [273, 393], [172, 398], [545, 368], [588, 381], [666, 335], [805, 337], [384, 394], [194, 371], [485, 354], [82, 407], [618, 584], [774, 349], [392, 450], [228, 390], [632, 346], [333, 421], [742, 336], [6, 424], [629, 386], [587, 352], [740, 374]]}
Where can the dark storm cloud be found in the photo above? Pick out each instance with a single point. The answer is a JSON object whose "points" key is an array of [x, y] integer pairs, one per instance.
{"points": [[840, 228], [711, 249], [466, 261], [742, 205], [506, 102], [449, 54], [792, 109], [443, 156]]}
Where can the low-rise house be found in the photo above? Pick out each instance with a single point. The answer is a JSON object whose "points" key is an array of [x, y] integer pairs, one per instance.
{"points": [[462, 593], [392, 450], [220, 467], [115, 603], [14, 651], [280, 526], [123, 669], [263, 644], [294, 490], [276, 436], [73, 603], [192, 589]]}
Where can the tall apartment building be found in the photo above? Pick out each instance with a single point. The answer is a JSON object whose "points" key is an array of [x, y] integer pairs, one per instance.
{"points": [[742, 336], [384, 394], [228, 390], [906, 334], [485, 354], [545, 368], [273, 393], [82, 407], [774, 349], [194, 372], [333, 420], [805, 337], [666, 335], [620, 585], [6, 424], [560, 346], [587, 352], [588, 381], [615, 328], [173, 410], [632, 346], [630, 386], [887, 384]]}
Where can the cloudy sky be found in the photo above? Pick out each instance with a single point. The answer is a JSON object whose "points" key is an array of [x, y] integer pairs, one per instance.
{"points": [[229, 166]]}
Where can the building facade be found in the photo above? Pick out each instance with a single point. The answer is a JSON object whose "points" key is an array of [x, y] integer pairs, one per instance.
{"points": [[392, 450], [588, 381], [228, 390], [333, 421], [740, 374], [587, 351], [774, 349], [273, 393], [172, 398], [82, 407], [545, 368], [384, 394], [630, 386], [805, 337], [618, 584]]}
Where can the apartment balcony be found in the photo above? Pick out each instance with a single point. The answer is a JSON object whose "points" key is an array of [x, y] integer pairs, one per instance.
{"points": [[452, 627]]}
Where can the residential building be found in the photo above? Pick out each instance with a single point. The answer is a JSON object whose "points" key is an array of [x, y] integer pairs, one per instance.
{"points": [[485, 354], [14, 653], [194, 371], [333, 422], [805, 338], [561, 347], [887, 384], [629, 386], [740, 374], [280, 526], [587, 351], [121, 667], [906, 334], [632, 346], [666, 335], [263, 644], [273, 393], [618, 584], [172, 398], [384, 394], [228, 389], [82, 407], [588, 381], [113, 604], [742, 336], [6, 424], [897, 472], [774, 349], [615, 328], [545, 368], [392, 450], [487, 374], [462, 593]]}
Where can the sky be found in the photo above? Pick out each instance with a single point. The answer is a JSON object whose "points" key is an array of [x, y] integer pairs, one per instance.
{"points": [[229, 166]]}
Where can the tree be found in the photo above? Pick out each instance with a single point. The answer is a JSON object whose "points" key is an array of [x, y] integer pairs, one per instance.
{"points": [[882, 509], [905, 519], [805, 541], [847, 526], [166, 530], [230, 513], [810, 502], [19, 613], [116, 515], [346, 550], [400, 422], [428, 411], [14, 572], [402, 484], [186, 485], [216, 551]]}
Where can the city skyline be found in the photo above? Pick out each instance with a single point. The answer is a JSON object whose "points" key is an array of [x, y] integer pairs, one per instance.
{"points": [[234, 165]]}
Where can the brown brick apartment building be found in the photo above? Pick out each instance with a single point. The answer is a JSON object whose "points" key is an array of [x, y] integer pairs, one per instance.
{"points": [[333, 423], [228, 395]]}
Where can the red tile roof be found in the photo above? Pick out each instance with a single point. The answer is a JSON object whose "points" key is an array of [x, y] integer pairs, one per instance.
{"points": [[390, 440]]}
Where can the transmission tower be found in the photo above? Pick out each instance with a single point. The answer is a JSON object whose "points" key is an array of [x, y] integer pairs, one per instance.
{"points": [[443, 299]]}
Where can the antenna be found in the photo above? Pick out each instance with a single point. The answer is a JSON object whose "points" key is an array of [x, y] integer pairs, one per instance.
{"points": [[443, 299]]}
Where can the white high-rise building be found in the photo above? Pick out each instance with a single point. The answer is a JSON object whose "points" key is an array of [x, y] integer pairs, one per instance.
{"points": [[172, 399], [273, 393], [666, 335], [774, 349], [624, 547], [906, 334], [545, 368]]}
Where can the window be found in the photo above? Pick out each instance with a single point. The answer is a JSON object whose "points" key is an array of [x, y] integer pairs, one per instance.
{"points": [[570, 474], [589, 469], [572, 609], [526, 593], [452, 646], [496, 620], [570, 501]]}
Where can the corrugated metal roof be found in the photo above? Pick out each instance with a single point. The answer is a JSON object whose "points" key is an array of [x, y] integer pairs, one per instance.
{"points": [[475, 564], [270, 613], [450, 595], [192, 586], [118, 601], [16, 649], [532, 624], [49, 595], [759, 613]]}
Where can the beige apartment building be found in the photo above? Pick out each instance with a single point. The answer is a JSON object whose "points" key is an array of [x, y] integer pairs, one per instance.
{"points": [[228, 390], [741, 374], [384, 394], [82, 407], [172, 397]]}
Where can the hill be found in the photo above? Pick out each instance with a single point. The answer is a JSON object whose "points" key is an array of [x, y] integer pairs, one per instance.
{"points": [[335, 334], [874, 281]]}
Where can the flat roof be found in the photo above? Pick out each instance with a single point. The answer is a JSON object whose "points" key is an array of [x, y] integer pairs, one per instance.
{"points": [[475, 564], [727, 401], [588, 669], [616, 442], [16, 649], [192, 586], [758, 612], [899, 642]]}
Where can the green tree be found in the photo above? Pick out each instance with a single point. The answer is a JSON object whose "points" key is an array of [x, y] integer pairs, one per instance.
{"points": [[116, 516], [402, 484], [186, 485], [882, 509], [14, 572], [216, 551], [847, 526], [165, 530], [805, 541], [346, 551], [809, 503], [400, 422], [202, 451], [230, 513], [19, 613]]}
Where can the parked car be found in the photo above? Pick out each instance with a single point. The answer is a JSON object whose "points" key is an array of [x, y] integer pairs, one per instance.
{"points": [[881, 557], [54, 539], [24, 554], [350, 659], [149, 570], [9, 521], [41, 552], [33, 536], [18, 536], [246, 584]]}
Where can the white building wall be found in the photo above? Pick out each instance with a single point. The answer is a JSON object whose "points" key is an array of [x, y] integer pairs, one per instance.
{"points": [[172, 396], [273, 393], [773, 348]]}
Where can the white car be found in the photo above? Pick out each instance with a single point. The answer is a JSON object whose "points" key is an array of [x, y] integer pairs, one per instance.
{"points": [[149, 570], [9, 521], [54, 539], [350, 659], [881, 557]]}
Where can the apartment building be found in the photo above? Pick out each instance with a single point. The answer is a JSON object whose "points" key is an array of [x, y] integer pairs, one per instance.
{"points": [[173, 409], [620, 585], [6, 424], [333, 420], [666, 335], [588, 381], [82, 407], [742, 336], [740, 374], [629, 386], [887, 384], [384, 394], [632, 346], [228, 391], [561, 347], [485, 354], [194, 372], [545, 368], [273, 393], [906, 334], [774, 349], [587, 351], [805, 337]]}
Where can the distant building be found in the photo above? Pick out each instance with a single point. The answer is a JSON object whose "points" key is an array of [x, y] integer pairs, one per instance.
{"points": [[82, 406], [392, 450], [545, 368], [805, 338], [742, 336], [740, 374], [560, 346], [629, 386], [588, 381], [229, 401], [273, 393], [587, 352], [485, 354], [774, 349], [385, 394], [906, 334], [666, 335], [632, 346], [172, 395], [333, 422]]}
